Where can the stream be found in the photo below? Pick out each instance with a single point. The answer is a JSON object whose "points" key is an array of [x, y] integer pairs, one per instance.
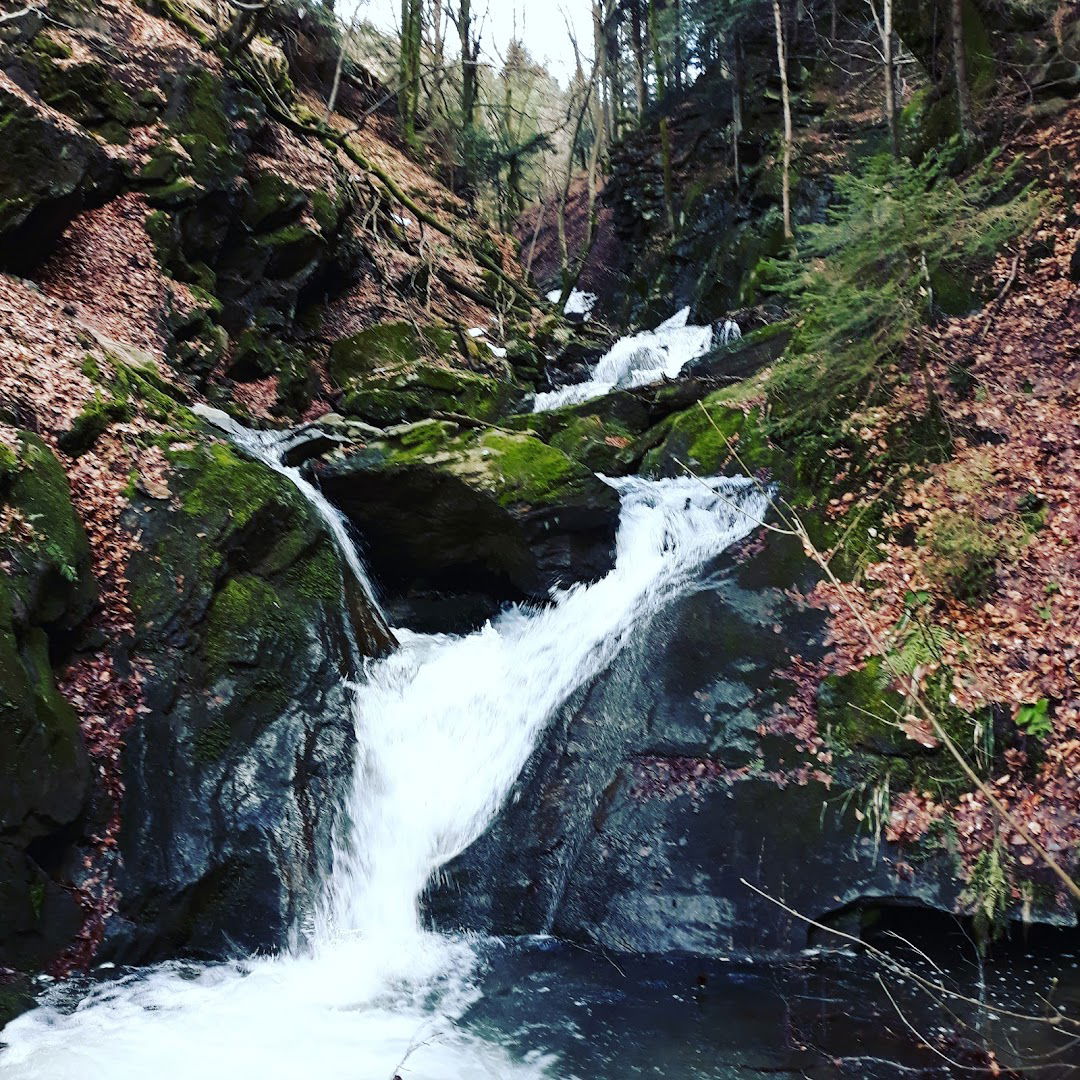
{"points": [[444, 726]]}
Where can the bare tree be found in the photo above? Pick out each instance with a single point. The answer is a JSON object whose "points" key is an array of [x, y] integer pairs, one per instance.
{"points": [[789, 132], [963, 90], [409, 67], [884, 25]]}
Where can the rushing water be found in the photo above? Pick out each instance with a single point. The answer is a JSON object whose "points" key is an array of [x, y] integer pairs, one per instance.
{"points": [[444, 726], [641, 359]]}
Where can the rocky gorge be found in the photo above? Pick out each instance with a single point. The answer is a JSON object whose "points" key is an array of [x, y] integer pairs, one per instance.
{"points": [[359, 607]]}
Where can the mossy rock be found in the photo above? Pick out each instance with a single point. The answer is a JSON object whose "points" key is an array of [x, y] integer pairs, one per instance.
{"points": [[44, 779], [859, 710], [424, 389], [87, 92], [48, 172], [724, 434], [50, 567], [495, 513], [238, 592], [601, 434], [389, 346], [513, 468], [97, 416], [273, 202]]}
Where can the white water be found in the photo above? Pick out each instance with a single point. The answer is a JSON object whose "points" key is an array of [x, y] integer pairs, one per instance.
{"points": [[639, 360], [270, 447], [444, 726], [577, 303]]}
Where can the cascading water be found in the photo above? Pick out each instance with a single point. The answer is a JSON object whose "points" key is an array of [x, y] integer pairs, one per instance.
{"points": [[270, 447], [641, 359], [444, 726]]}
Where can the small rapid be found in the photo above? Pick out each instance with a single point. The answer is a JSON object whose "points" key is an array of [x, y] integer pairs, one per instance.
{"points": [[444, 726], [641, 359]]}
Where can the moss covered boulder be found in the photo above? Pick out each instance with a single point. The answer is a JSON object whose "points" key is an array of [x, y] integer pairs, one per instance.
{"points": [[397, 373], [491, 515], [238, 593], [45, 594], [599, 434]]}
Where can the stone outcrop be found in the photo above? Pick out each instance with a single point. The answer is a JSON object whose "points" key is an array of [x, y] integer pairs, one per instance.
{"points": [[240, 621], [486, 516], [45, 595]]}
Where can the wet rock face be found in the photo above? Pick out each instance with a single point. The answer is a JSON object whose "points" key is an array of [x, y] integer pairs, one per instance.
{"points": [[46, 592], [653, 794], [458, 521], [249, 736]]}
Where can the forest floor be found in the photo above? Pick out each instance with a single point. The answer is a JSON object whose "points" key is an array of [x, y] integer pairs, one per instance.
{"points": [[999, 524]]}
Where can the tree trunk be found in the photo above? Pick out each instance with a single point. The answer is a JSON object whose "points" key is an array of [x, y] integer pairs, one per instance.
{"points": [[637, 46], [736, 105], [409, 67], [665, 130], [887, 41], [789, 134], [468, 65], [963, 91]]}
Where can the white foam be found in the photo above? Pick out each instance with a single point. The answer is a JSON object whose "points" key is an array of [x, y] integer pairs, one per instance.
{"points": [[636, 361], [444, 727]]}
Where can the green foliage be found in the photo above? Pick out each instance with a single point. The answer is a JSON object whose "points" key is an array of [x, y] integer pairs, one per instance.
{"points": [[987, 893], [864, 278], [963, 551], [1034, 719]]}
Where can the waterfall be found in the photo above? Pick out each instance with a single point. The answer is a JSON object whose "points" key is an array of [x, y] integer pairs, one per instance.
{"points": [[270, 447], [444, 726], [638, 360]]}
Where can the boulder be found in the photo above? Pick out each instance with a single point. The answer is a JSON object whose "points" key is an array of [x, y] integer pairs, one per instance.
{"points": [[46, 593], [488, 514], [656, 791], [248, 737], [49, 171]]}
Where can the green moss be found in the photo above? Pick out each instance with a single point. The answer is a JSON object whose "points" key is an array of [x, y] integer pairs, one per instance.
{"points": [[526, 470], [272, 201], [92, 369], [860, 710], [50, 573], [246, 607], [963, 552], [85, 91], [326, 209], [390, 345], [422, 389], [97, 416], [44, 44], [224, 485]]}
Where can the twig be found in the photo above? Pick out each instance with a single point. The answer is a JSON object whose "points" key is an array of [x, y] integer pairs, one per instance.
{"points": [[996, 303], [1058, 1019]]}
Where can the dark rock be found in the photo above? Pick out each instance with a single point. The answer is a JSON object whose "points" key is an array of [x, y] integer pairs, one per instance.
{"points": [[248, 738], [49, 171], [653, 794], [488, 513], [741, 358], [44, 779]]}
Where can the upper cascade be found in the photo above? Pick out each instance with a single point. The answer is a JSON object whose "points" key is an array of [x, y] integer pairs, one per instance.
{"points": [[641, 359]]}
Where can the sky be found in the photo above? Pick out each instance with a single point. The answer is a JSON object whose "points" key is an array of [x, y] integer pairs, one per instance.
{"points": [[540, 24]]}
